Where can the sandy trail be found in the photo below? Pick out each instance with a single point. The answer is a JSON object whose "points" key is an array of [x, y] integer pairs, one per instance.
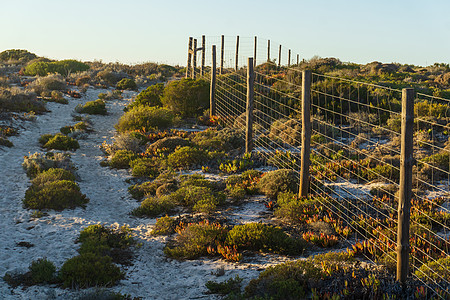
{"points": [[152, 276]]}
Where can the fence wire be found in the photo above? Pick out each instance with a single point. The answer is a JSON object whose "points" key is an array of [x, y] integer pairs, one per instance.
{"points": [[355, 150]]}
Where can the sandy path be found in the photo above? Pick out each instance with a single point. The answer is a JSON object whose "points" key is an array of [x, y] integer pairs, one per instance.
{"points": [[152, 276]]}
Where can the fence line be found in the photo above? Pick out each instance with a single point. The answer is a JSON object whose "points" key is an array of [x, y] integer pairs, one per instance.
{"points": [[356, 157]]}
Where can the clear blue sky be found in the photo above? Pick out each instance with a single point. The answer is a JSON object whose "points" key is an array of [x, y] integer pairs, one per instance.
{"points": [[132, 31]]}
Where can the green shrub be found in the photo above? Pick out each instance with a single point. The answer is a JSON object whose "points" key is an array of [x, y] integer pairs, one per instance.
{"points": [[232, 285], [274, 182], [168, 144], [164, 226], [126, 84], [435, 270], [63, 67], [42, 271], [283, 281], [20, 55], [288, 131], [186, 158], [226, 139], [39, 162], [56, 195], [151, 96], [138, 191], [193, 240], [52, 174], [198, 180], [89, 270], [290, 207], [80, 126], [122, 159], [96, 107], [145, 167], [186, 97], [152, 207], [263, 237], [201, 199], [57, 96], [58, 141], [52, 82], [147, 118]]}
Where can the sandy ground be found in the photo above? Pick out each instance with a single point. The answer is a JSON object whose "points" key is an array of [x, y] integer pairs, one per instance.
{"points": [[152, 276]]}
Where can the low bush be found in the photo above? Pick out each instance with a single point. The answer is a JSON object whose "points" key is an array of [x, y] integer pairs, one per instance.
{"points": [[435, 270], [57, 96], [201, 199], [193, 240], [89, 270], [52, 82], [52, 174], [42, 271], [151, 96], [145, 167], [58, 142], [126, 84], [164, 226], [6, 142], [274, 182], [96, 107], [115, 94], [153, 207], [138, 191], [39, 162], [288, 131], [263, 237], [19, 55], [57, 195], [168, 144], [145, 118], [247, 181], [226, 139], [232, 285], [122, 159], [291, 208], [186, 158], [63, 67], [15, 99], [186, 97], [124, 141], [78, 127]]}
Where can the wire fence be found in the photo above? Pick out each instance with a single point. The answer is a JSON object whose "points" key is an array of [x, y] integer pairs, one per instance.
{"points": [[355, 151]]}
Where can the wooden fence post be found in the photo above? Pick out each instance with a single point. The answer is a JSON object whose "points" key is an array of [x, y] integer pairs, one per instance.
{"points": [[188, 66], [268, 50], [237, 53], [254, 52], [405, 192], [279, 56], [222, 49], [298, 57], [306, 133], [194, 59], [202, 70], [212, 91], [249, 108], [289, 58]]}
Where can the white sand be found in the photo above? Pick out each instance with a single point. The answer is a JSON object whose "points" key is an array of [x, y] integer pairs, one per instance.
{"points": [[152, 276]]}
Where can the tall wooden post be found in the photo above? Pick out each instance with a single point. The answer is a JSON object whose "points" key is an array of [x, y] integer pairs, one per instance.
{"points": [[188, 66], [254, 51], [222, 49], [306, 133], [298, 57], [279, 56], [194, 59], [212, 90], [249, 108], [268, 50], [289, 58], [405, 192], [237, 53], [202, 70]]}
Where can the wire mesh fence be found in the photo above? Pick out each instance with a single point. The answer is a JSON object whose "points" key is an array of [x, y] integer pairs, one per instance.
{"points": [[355, 152]]}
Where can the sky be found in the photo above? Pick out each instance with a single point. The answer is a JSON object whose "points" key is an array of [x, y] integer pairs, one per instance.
{"points": [[135, 31]]}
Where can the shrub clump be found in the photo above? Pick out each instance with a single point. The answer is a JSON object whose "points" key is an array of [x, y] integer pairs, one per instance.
{"points": [[52, 174], [39, 162], [226, 139], [58, 142], [274, 182], [63, 67], [164, 226], [168, 144], [15, 99], [89, 270], [186, 158], [42, 271], [57, 195], [263, 237], [96, 107], [126, 84], [122, 159], [151, 96], [186, 97], [289, 131], [147, 118]]}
